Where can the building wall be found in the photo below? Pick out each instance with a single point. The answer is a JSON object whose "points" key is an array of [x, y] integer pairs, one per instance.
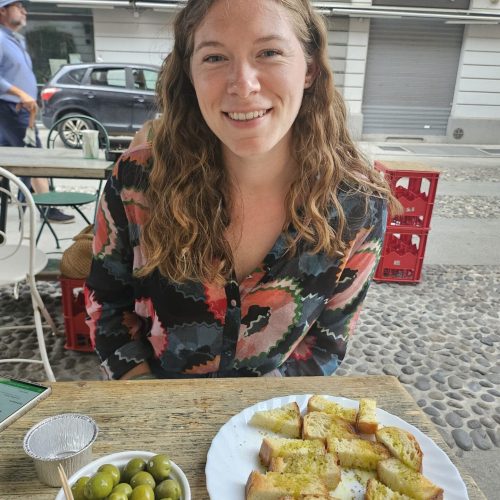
{"points": [[476, 106], [347, 50], [485, 5], [122, 37]]}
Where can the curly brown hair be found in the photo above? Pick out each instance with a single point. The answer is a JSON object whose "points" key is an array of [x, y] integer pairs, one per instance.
{"points": [[184, 237]]}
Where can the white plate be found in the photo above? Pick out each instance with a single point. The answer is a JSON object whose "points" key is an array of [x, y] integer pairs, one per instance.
{"points": [[120, 460], [236, 446]]}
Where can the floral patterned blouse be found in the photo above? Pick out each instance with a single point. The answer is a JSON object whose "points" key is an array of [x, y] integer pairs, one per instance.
{"points": [[291, 316]]}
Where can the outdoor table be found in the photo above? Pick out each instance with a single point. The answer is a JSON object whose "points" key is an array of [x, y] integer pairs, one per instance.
{"points": [[181, 417], [62, 163], [38, 162]]}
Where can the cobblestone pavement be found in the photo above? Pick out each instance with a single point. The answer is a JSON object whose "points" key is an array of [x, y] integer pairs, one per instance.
{"points": [[441, 338], [475, 207], [450, 171]]}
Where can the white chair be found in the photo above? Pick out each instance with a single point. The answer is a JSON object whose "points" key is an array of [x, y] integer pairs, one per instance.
{"points": [[20, 261]]}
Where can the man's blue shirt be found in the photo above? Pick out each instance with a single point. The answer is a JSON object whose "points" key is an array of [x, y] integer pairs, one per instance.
{"points": [[16, 68]]}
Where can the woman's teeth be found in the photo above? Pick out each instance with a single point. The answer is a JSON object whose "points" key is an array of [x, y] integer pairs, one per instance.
{"points": [[247, 116]]}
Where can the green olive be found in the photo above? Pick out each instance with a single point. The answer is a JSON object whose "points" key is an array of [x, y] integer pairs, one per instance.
{"points": [[123, 488], [143, 492], [159, 467], [142, 477], [112, 470], [133, 467], [98, 486], [117, 496], [78, 488], [169, 488]]}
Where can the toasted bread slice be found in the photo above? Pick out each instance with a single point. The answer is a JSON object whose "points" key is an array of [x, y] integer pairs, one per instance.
{"points": [[375, 490], [306, 497], [324, 466], [402, 445], [320, 403], [319, 425], [366, 419], [401, 478], [358, 453], [285, 420], [283, 447], [276, 486]]}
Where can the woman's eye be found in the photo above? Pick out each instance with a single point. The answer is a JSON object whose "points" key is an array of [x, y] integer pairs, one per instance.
{"points": [[212, 59], [270, 53]]}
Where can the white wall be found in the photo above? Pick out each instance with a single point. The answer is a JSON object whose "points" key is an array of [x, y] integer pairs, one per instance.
{"points": [[477, 92], [338, 33], [121, 37], [347, 49], [484, 5]]}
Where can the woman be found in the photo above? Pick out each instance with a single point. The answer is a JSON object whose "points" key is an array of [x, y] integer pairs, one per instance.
{"points": [[242, 242]]}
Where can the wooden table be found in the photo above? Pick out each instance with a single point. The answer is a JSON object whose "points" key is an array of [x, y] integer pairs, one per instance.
{"points": [[63, 163], [181, 417]]}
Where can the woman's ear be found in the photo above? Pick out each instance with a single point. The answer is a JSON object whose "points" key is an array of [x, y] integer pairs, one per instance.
{"points": [[312, 73]]}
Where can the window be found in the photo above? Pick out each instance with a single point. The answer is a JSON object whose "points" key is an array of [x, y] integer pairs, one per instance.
{"points": [[73, 77], [144, 79], [58, 33], [109, 77]]}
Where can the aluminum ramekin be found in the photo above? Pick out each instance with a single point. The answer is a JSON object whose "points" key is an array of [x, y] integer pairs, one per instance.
{"points": [[64, 439]]}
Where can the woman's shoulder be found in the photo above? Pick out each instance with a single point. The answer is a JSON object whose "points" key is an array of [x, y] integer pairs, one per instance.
{"points": [[356, 199], [362, 209], [134, 165], [140, 154]]}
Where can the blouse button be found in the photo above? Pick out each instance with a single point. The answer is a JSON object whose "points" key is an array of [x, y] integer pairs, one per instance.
{"points": [[233, 303]]}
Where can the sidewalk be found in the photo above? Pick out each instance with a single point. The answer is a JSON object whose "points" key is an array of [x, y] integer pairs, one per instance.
{"points": [[441, 338]]}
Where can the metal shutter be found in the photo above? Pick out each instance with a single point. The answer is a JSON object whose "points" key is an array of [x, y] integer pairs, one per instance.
{"points": [[410, 79]]}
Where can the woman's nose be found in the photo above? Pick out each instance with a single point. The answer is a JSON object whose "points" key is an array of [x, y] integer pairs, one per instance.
{"points": [[243, 80]]}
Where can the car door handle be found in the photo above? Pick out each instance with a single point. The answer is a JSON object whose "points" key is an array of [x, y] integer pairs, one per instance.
{"points": [[90, 95], [139, 99]]}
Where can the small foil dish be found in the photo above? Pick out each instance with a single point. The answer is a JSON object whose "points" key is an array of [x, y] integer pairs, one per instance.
{"points": [[64, 439]]}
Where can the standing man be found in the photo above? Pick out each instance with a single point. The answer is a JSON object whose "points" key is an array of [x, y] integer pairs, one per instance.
{"points": [[18, 91]]}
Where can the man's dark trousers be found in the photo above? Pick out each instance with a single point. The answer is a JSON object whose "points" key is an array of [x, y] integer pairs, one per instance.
{"points": [[13, 125]]}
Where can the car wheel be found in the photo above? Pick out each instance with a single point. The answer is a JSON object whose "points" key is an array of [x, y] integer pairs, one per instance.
{"points": [[70, 131]]}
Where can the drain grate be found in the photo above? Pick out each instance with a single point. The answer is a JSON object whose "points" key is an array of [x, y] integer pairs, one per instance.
{"points": [[490, 151], [393, 148]]}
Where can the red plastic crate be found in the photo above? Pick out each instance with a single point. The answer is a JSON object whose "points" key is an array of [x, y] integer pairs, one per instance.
{"points": [[415, 190], [402, 255], [73, 301]]}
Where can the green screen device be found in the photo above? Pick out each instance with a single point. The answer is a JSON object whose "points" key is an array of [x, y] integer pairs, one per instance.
{"points": [[17, 397]]}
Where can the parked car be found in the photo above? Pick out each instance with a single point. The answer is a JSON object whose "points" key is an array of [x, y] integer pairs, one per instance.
{"points": [[120, 96]]}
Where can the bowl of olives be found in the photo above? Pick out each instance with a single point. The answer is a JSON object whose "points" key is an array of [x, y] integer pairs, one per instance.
{"points": [[129, 475]]}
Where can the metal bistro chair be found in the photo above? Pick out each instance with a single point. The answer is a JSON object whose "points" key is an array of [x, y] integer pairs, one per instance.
{"points": [[20, 261], [71, 199]]}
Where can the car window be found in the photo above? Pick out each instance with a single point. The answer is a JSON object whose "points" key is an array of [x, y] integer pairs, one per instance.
{"points": [[108, 77], [74, 76], [144, 79]]}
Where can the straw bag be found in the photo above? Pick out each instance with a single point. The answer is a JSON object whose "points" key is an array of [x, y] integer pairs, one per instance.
{"points": [[77, 258]]}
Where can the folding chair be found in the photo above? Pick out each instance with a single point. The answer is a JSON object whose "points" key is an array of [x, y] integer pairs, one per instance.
{"points": [[71, 199], [20, 261]]}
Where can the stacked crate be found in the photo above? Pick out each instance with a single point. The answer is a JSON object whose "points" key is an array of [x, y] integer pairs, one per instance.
{"points": [[73, 300], [414, 185]]}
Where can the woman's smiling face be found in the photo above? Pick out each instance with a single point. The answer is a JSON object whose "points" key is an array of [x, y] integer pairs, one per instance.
{"points": [[249, 72]]}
